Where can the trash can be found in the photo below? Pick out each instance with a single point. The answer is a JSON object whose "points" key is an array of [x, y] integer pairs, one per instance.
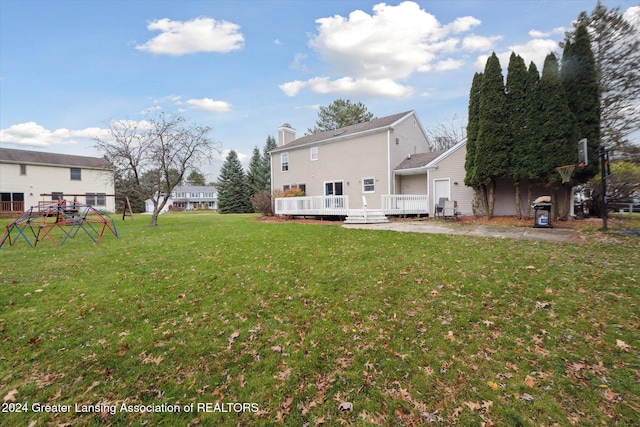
{"points": [[542, 215]]}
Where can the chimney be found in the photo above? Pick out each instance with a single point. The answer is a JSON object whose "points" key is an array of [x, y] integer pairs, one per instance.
{"points": [[286, 134]]}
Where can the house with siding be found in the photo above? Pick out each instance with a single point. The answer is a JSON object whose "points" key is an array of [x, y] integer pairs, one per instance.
{"points": [[383, 166], [189, 198], [29, 177]]}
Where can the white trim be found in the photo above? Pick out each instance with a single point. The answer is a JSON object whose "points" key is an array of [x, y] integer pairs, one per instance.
{"points": [[448, 180], [374, 185]]}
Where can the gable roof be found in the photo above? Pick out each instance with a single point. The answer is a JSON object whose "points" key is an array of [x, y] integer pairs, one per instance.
{"points": [[417, 160], [8, 155], [420, 162], [372, 126]]}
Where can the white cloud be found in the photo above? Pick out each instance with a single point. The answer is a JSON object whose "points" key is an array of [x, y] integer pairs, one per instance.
{"points": [[244, 158], [535, 50], [292, 88], [632, 16], [35, 135], [369, 53], [209, 105], [479, 43], [465, 23], [359, 87], [542, 34], [298, 63], [449, 64], [196, 35]]}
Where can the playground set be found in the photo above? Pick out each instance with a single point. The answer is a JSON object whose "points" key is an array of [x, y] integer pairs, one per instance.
{"points": [[58, 221]]}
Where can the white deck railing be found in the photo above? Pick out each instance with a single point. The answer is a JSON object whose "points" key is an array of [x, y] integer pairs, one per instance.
{"points": [[392, 204], [405, 204], [313, 205]]}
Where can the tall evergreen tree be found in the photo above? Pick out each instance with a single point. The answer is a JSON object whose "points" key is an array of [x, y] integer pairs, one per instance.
{"points": [[271, 144], [531, 157], [471, 177], [255, 174], [232, 191], [516, 99], [580, 80], [559, 126], [559, 130], [493, 144]]}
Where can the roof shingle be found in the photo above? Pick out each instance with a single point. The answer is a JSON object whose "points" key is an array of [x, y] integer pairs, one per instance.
{"points": [[8, 155], [380, 123]]}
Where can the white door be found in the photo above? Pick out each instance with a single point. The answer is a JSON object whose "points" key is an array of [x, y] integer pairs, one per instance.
{"points": [[441, 189]]}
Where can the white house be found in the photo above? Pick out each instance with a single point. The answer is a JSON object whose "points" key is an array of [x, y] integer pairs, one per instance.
{"points": [[385, 163], [29, 177], [189, 197]]}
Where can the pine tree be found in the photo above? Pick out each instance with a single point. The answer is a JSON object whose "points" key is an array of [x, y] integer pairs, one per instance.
{"points": [[493, 144], [255, 174], [580, 80], [471, 177], [232, 190], [516, 98], [531, 155], [341, 113]]}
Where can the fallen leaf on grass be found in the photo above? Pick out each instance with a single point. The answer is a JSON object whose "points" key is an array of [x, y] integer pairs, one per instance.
{"points": [[526, 396], [530, 382], [492, 385], [151, 359], [473, 406], [235, 334], [91, 387], [623, 346], [11, 396]]}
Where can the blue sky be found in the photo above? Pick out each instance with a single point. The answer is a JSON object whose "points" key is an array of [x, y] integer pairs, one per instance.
{"points": [[246, 67]]}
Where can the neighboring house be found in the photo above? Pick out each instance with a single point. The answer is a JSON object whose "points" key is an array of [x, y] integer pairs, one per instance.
{"points": [[384, 162], [189, 197], [26, 175]]}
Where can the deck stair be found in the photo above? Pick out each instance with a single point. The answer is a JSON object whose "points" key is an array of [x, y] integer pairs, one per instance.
{"points": [[365, 216]]}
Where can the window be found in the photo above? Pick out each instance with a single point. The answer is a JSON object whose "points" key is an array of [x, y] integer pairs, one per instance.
{"points": [[96, 199], [286, 187], [313, 152], [368, 185], [284, 159], [76, 174], [56, 195], [303, 188], [23, 169]]}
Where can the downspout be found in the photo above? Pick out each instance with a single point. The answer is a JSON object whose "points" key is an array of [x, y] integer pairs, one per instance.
{"points": [[389, 189]]}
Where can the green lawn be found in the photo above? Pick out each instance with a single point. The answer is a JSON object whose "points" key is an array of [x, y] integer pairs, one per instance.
{"points": [[258, 323]]}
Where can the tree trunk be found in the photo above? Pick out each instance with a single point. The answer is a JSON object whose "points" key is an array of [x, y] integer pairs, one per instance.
{"points": [[529, 200], [518, 207], [491, 198]]}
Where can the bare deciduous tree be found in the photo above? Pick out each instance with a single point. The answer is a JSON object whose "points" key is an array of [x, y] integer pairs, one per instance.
{"points": [[153, 155], [443, 136]]}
